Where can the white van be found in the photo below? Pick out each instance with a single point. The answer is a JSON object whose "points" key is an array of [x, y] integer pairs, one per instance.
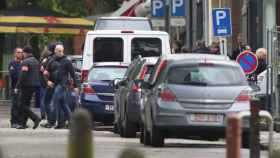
{"points": [[122, 46]]}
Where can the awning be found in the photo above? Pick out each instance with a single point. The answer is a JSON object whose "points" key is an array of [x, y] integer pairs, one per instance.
{"points": [[47, 24], [36, 20]]}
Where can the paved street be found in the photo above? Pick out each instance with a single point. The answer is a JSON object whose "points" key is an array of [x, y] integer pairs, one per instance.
{"points": [[46, 143]]}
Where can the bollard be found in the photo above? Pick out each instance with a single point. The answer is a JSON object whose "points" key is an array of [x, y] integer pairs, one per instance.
{"points": [[131, 153], [255, 127], [80, 137], [233, 136], [1, 154]]}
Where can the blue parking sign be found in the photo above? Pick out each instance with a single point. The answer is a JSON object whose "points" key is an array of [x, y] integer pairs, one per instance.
{"points": [[222, 22], [177, 8]]}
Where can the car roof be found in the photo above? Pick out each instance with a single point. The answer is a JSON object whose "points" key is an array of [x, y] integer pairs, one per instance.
{"points": [[110, 64], [196, 56], [124, 18], [126, 32]]}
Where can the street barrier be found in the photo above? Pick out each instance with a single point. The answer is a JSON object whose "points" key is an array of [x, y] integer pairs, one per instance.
{"points": [[266, 115], [233, 136], [80, 137]]}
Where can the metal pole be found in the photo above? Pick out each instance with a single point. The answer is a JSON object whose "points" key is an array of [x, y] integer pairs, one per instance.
{"points": [[255, 128], [267, 71], [188, 20], [233, 137], [167, 16]]}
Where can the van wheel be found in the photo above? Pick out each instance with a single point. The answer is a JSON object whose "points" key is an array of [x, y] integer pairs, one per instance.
{"points": [[157, 138], [129, 130]]}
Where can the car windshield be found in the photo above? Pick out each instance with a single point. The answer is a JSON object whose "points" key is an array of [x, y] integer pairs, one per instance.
{"points": [[146, 47], [119, 24], [214, 75], [77, 63], [106, 73]]}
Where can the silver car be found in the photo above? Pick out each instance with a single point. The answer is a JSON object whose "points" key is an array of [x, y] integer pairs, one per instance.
{"points": [[192, 95]]}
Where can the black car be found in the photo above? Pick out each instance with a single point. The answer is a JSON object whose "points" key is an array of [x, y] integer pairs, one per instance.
{"points": [[128, 96]]}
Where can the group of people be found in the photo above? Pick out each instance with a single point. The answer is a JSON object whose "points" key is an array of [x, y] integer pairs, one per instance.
{"points": [[53, 75]]}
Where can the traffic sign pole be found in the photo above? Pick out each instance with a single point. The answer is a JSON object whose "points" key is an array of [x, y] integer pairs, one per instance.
{"points": [[167, 16], [223, 46]]}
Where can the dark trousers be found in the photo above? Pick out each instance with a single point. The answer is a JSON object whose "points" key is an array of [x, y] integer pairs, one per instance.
{"points": [[60, 104], [15, 108], [25, 111], [47, 105]]}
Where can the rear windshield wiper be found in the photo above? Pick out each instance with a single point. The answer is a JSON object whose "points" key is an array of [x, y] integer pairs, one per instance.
{"points": [[197, 83]]}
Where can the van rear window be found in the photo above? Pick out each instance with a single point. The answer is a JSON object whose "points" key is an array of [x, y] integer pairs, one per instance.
{"points": [[107, 49], [146, 47]]}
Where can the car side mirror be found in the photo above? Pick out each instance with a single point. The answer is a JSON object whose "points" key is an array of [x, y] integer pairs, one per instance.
{"points": [[115, 83]]}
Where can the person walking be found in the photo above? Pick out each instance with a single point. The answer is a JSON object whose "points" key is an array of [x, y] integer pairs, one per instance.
{"points": [[49, 65], [63, 74], [14, 70], [28, 81]]}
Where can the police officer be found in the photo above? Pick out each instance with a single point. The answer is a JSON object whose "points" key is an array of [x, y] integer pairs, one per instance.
{"points": [[14, 70], [61, 84], [29, 80]]}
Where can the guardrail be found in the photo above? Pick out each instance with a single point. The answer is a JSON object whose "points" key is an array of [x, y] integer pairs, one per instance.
{"points": [[4, 85]]}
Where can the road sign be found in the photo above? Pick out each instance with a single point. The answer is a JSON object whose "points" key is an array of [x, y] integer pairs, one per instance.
{"points": [[222, 22], [248, 61], [177, 8]]}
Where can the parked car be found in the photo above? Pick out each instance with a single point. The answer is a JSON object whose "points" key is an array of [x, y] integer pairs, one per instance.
{"points": [[192, 95], [123, 22], [97, 93], [128, 96]]}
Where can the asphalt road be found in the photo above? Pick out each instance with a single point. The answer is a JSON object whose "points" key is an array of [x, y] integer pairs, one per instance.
{"points": [[51, 143]]}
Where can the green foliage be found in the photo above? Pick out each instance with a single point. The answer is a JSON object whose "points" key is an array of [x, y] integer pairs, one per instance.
{"points": [[75, 8]]}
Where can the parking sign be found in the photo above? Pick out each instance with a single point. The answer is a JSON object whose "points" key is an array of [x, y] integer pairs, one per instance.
{"points": [[177, 8], [222, 22]]}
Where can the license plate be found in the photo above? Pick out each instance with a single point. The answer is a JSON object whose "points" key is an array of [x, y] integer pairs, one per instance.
{"points": [[109, 107], [206, 118]]}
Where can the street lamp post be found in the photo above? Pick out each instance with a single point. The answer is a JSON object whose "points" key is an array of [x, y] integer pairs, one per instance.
{"points": [[167, 15]]}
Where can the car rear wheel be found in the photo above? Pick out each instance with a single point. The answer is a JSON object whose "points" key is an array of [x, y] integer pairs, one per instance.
{"points": [[157, 138], [246, 140], [146, 136], [129, 129]]}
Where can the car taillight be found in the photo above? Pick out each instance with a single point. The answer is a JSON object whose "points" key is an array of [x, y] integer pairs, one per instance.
{"points": [[135, 88], [84, 75], [244, 96], [167, 95], [88, 90]]}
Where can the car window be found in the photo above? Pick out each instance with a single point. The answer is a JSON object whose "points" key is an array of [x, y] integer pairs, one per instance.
{"points": [[106, 73], [146, 47], [206, 75], [119, 24], [107, 49]]}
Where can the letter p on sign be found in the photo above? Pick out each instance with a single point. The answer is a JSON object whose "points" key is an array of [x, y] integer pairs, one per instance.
{"points": [[220, 15]]}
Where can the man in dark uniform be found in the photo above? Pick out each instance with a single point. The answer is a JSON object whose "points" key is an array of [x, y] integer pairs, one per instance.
{"points": [[29, 81], [61, 83], [14, 70]]}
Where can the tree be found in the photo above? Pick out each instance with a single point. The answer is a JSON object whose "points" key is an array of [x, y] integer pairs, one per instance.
{"points": [[70, 7]]}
